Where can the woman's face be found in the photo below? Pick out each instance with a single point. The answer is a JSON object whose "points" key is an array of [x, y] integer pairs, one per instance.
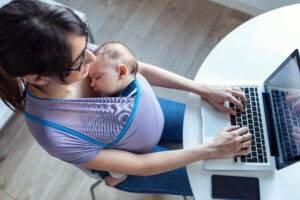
{"points": [[82, 57]]}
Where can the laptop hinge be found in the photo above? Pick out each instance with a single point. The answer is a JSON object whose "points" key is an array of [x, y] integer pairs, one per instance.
{"points": [[270, 124]]}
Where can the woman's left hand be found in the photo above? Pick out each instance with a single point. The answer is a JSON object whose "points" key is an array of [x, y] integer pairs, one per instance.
{"points": [[217, 95]]}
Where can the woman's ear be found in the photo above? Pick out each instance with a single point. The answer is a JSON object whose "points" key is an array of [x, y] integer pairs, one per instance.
{"points": [[123, 70], [36, 79]]}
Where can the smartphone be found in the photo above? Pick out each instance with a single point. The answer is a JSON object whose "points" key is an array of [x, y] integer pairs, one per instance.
{"points": [[235, 187]]}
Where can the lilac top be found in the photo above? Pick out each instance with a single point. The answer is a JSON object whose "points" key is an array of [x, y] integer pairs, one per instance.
{"points": [[91, 117]]}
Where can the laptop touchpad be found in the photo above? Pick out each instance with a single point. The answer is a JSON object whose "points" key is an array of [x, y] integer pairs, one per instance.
{"points": [[213, 121]]}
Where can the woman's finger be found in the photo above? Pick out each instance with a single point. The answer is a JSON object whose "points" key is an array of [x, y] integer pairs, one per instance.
{"points": [[245, 151], [230, 128], [235, 101], [241, 131], [239, 93], [245, 137], [225, 109], [246, 144]]}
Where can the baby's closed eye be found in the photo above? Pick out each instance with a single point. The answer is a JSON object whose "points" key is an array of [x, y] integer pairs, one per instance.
{"points": [[97, 77]]}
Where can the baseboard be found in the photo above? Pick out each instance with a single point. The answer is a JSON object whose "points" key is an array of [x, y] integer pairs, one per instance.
{"points": [[255, 7]]}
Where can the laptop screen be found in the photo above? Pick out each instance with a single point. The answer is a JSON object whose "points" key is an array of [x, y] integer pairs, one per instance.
{"points": [[283, 87]]}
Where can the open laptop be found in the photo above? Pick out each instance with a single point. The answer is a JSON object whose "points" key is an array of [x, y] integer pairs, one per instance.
{"points": [[270, 120]]}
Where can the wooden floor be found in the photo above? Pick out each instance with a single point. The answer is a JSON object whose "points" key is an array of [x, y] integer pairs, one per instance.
{"points": [[174, 34]]}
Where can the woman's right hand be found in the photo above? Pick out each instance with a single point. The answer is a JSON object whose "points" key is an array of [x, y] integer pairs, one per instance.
{"points": [[231, 141]]}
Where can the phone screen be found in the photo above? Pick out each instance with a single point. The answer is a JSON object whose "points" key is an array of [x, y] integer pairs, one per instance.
{"points": [[234, 187]]}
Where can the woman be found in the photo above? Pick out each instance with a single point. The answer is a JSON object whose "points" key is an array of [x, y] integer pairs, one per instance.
{"points": [[45, 49]]}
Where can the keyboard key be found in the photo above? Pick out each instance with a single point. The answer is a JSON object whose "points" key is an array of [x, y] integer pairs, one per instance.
{"points": [[235, 159], [259, 151], [243, 159]]}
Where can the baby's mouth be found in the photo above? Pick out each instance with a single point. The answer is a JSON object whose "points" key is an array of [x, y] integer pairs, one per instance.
{"points": [[98, 92]]}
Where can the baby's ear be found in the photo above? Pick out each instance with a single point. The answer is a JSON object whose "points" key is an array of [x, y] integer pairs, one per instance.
{"points": [[122, 69]]}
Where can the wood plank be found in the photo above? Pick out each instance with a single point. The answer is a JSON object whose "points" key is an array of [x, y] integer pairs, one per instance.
{"points": [[5, 196], [145, 16]]}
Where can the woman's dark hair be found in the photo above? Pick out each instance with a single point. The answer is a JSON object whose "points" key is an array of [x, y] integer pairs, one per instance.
{"points": [[33, 40]]}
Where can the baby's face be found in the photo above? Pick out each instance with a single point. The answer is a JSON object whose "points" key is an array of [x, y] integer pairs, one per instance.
{"points": [[105, 78]]}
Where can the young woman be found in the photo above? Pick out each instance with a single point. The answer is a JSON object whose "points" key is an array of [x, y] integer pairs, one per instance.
{"points": [[44, 63]]}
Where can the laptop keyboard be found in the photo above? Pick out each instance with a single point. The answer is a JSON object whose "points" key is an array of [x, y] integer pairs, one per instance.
{"points": [[251, 118], [285, 120]]}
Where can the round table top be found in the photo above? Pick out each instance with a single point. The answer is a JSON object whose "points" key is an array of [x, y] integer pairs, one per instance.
{"points": [[251, 52]]}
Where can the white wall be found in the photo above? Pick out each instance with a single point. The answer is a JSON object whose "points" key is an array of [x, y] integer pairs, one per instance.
{"points": [[5, 114], [3, 2], [255, 7]]}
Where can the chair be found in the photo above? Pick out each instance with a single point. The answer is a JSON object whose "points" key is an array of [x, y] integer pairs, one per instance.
{"points": [[94, 185]]}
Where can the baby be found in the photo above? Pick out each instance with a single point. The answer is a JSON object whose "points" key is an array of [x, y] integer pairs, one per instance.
{"points": [[112, 72]]}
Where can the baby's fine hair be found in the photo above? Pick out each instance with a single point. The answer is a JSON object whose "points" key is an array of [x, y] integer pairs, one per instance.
{"points": [[119, 53]]}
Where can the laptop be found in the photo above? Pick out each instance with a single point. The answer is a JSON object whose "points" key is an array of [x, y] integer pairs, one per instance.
{"points": [[269, 117]]}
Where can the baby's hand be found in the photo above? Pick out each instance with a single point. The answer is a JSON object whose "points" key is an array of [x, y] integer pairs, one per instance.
{"points": [[111, 181]]}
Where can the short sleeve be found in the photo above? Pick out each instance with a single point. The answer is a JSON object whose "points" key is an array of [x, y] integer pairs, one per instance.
{"points": [[63, 146]]}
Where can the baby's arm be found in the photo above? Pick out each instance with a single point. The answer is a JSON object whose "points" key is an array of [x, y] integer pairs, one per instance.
{"points": [[114, 179]]}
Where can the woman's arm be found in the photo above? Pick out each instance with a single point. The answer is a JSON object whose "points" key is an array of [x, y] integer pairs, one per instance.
{"points": [[146, 164], [215, 95], [163, 78], [227, 143]]}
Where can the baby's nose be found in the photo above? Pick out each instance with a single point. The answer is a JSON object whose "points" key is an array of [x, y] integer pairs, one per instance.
{"points": [[92, 84]]}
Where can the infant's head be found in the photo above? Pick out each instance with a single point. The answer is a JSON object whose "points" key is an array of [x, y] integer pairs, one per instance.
{"points": [[114, 68]]}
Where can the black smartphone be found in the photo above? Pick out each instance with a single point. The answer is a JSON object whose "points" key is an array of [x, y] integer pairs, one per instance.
{"points": [[235, 187]]}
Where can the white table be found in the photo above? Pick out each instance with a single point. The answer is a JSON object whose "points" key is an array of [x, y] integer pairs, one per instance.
{"points": [[251, 52]]}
